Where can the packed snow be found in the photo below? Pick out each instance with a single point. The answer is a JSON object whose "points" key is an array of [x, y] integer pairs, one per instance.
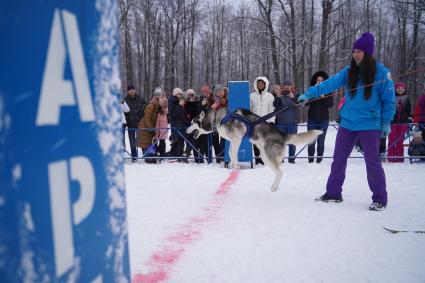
{"points": [[194, 223]]}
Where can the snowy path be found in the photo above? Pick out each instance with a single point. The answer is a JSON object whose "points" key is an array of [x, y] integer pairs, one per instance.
{"points": [[250, 234]]}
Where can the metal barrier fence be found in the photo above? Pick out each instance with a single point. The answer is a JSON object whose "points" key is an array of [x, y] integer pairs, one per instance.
{"points": [[181, 133], [208, 157]]}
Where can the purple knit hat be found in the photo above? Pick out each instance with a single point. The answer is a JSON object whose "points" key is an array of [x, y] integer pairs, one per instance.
{"points": [[365, 43]]}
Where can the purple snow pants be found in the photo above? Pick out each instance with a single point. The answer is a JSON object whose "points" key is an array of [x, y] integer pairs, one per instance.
{"points": [[369, 140]]}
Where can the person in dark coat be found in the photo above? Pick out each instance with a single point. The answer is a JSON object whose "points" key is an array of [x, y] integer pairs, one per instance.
{"points": [[179, 120], [172, 101], [318, 118], [207, 100], [193, 109], [287, 121], [399, 124], [135, 103]]}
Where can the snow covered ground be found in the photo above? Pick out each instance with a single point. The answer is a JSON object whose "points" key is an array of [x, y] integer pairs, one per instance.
{"points": [[204, 223]]}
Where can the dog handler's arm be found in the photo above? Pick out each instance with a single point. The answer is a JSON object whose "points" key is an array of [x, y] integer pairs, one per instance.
{"points": [[331, 84], [387, 99], [388, 104]]}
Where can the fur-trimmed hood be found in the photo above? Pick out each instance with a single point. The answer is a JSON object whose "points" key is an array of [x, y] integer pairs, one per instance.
{"points": [[264, 79], [261, 103], [320, 73]]}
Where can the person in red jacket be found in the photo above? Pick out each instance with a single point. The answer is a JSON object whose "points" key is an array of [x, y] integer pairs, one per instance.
{"points": [[399, 124]]}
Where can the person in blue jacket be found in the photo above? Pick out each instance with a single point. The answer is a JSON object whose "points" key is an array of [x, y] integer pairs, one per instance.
{"points": [[366, 116]]}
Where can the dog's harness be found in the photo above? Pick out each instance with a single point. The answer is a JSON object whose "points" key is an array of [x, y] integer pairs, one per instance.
{"points": [[248, 123]]}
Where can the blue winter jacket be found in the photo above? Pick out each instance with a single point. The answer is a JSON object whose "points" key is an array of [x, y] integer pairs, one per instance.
{"points": [[357, 113], [289, 116]]}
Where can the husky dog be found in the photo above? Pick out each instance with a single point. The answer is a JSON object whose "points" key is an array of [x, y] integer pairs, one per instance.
{"points": [[269, 140]]}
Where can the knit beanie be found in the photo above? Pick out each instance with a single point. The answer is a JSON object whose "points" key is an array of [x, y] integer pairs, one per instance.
{"points": [[365, 43], [177, 90], [287, 82], [218, 87], [158, 91], [190, 93], [399, 84]]}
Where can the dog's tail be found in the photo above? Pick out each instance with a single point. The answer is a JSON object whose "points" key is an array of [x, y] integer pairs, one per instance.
{"points": [[304, 138]]}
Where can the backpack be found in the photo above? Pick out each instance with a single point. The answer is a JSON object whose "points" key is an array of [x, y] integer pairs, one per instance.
{"points": [[141, 111]]}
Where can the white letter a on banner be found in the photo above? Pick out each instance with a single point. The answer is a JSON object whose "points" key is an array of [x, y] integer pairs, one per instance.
{"points": [[55, 90]]}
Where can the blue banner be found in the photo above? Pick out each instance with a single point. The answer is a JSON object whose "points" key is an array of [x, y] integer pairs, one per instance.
{"points": [[238, 97], [62, 197]]}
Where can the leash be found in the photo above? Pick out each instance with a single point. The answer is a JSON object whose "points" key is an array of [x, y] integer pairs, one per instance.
{"points": [[251, 124], [248, 123], [303, 103]]}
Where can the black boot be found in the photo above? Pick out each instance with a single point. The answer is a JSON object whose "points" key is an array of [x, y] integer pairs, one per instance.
{"points": [[326, 198], [377, 206]]}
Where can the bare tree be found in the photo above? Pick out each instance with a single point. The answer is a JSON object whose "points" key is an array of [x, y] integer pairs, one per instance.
{"points": [[266, 9], [125, 30], [326, 12], [418, 11], [402, 10], [188, 43]]}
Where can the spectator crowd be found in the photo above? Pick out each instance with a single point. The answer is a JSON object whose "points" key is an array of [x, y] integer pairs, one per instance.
{"points": [[151, 125], [371, 110]]}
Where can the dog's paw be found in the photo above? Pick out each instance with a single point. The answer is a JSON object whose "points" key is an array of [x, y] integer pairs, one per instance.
{"points": [[274, 188]]}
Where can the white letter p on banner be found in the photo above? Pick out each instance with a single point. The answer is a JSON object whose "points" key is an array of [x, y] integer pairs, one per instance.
{"points": [[60, 204]]}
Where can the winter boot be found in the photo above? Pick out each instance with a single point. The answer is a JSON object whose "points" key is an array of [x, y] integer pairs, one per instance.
{"points": [[377, 206], [326, 198]]}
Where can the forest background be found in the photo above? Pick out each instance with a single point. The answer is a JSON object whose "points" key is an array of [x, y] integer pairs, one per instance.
{"points": [[189, 43]]}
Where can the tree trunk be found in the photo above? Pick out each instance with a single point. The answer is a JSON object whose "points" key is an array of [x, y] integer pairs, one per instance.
{"points": [[310, 44], [293, 45], [323, 50]]}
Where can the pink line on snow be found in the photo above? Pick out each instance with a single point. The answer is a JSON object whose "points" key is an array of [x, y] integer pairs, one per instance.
{"points": [[162, 261]]}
